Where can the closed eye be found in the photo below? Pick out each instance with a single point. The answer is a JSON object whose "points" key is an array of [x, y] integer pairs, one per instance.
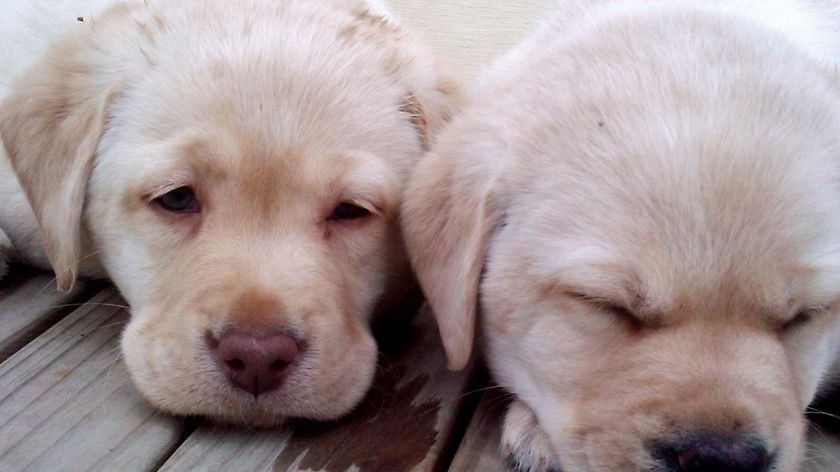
{"points": [[615, 309], [802, 317]]}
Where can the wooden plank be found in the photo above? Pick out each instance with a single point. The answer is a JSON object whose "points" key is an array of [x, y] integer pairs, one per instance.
{"points": [[66, 402], [30, 303], [479, 449], [402, 425], [216, 448]]}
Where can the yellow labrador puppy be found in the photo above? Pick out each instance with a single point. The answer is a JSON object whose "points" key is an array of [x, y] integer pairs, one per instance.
{"points": [[644, 198], [236, 169]]}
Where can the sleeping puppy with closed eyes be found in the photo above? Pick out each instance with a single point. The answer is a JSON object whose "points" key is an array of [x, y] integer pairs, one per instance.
{"points": [[644, 200], [236, 169]]}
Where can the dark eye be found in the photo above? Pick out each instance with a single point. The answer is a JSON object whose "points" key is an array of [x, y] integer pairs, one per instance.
{"points": [[618, 310], [615, 309], [180, 200], [802, 318], [348, 211], [622, 313]]}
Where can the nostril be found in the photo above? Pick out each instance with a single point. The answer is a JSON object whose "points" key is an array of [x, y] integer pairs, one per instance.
{"points": [[278, 365], [235, 364]]}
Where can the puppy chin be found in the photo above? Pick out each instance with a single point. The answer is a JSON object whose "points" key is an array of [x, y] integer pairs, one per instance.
{"points": [[229, 406], [191, 384]]}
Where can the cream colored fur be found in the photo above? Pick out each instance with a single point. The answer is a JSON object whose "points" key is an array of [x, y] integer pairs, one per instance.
{"points": [[274, 112], [643, 198]]}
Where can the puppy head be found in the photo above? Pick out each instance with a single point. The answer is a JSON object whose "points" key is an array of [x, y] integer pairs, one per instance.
{"points": [[659, 272], [242, 194]]}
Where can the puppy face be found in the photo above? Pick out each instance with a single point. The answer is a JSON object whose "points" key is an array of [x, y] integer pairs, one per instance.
{"points": [[288, 233], [656, 265], [624, 351], [244, 198]]}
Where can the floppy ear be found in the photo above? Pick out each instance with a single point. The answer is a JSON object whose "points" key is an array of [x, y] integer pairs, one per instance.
{"points": [[50, 125], [448, 216], [432, 94], [431, 111]]}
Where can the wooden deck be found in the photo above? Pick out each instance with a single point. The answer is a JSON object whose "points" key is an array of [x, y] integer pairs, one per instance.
{"points": [[67, 404]]}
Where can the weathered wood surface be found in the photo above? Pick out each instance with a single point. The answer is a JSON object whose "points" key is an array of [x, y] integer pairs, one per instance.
{"points": [[402, 425], [30, 304], [66, 402], [479, 448]]}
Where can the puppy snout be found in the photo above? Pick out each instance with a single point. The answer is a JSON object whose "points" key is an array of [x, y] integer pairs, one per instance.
{"points": [[255, 363], [707, 452]]}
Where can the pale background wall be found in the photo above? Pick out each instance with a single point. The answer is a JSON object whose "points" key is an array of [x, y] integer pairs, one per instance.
{"points": [[469, 34]]}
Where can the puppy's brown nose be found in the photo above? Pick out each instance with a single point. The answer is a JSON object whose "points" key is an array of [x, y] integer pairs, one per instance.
{"points": [[255, 364]]}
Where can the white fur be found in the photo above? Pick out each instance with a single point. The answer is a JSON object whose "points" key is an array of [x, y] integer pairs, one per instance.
{"points": [[274, 112], [677, 159]]}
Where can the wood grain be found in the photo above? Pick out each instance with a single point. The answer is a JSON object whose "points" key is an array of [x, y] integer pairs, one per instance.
{"points": [[402, 425], [30, 304], [66, 402], [479, 449], [216, 448]]}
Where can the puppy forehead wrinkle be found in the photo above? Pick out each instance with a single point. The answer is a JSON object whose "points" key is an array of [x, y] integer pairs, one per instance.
{"points": [[588, 269], [220, 156], [314, 130]]}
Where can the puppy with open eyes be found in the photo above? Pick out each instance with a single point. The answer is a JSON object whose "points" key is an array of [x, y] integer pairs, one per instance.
{"points": [[644, 199], [236, 169]]}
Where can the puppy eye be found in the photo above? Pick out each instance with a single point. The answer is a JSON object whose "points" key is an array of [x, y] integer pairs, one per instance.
{"points": [[180, 200], [348, 211], [622, 313], [802, 317], [615, 309]]}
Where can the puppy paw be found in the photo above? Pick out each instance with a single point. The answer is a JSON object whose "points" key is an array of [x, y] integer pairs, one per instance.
{"points": [[524, 443]]}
